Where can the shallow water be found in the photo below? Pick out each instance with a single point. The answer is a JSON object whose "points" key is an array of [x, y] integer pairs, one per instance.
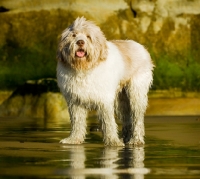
{"points": [[29, 148]]}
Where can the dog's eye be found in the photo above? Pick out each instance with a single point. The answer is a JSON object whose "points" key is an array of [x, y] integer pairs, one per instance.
{"points": [[74, 35], [88, 37]]}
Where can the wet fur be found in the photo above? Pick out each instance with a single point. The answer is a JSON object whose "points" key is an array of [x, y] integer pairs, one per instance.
{"points": [[112, 77]]}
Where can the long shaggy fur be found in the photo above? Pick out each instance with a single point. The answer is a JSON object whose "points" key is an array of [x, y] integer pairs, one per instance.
{"points": [[112, 77]]}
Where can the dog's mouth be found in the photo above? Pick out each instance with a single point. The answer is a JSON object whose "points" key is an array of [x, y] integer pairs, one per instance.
{"points": [[81, 53]]}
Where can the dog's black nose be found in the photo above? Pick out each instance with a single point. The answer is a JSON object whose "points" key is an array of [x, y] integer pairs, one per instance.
{"points": [[80, 42]]}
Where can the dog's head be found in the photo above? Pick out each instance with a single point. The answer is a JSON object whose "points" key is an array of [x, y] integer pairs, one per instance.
{"points": [[82, 45]]}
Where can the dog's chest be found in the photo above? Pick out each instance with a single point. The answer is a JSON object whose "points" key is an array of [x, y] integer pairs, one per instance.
{"points": [[92, 88]]}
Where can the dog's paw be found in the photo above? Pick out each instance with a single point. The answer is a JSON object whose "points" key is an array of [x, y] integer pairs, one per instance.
{"points": [[70, 141], [117, 143], [136, 142]]}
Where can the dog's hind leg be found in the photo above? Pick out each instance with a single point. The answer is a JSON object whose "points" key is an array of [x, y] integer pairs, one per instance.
{"points": [[137, 91], [123, 111], [78, 125]]}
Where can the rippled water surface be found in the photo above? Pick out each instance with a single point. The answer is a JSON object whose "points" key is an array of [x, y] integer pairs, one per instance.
{"points": [[29, 148]]}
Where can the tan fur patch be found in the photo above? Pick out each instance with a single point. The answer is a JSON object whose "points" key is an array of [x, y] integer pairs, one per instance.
{"points": [[83, 64], [125, 50]]}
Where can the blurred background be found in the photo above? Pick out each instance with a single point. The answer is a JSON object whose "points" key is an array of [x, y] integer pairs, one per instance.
{"points": [[169, 29]]}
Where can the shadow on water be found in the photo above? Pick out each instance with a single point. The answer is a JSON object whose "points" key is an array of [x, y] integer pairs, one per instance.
{"points": [[29, 148]]}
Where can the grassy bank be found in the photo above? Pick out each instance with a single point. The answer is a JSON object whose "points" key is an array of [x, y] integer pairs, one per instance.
{"points": [[21, 64], [175, 71]]}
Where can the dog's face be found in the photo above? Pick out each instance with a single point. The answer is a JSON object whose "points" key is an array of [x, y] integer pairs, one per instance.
{"points": [[82, 45]]}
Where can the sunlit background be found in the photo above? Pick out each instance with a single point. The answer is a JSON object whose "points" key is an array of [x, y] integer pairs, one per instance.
{"points": [[169, 29]]}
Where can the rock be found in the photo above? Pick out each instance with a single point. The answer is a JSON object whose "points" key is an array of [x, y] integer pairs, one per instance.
{"points": [[90, 8], [37, 87], [161, 25], [36, 99], [168, 23]]}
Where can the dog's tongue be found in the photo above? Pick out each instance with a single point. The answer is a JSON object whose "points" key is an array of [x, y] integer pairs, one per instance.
{"points": [[80, 53]]}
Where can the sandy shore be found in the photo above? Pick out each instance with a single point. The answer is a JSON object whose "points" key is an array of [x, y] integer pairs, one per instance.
{"points": [[173, 106], [4, 95], [173, 102], [161, 103]]}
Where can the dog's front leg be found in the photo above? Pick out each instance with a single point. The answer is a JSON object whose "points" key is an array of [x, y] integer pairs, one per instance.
{"points": [[78, 125], [109, 127]]}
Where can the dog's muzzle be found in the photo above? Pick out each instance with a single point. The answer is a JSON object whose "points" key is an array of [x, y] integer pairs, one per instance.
{"points": [[80, 52]]}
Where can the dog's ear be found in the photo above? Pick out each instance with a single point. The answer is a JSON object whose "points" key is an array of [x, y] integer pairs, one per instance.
{"points": [[59, 56], [104, 50]]}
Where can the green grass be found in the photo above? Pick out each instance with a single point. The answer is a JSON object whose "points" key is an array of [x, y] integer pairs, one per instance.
{"points": [[20, 64], [172, 72]]}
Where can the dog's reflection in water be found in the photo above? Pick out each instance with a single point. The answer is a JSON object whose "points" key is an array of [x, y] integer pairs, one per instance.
{"points": [[113, 162]]}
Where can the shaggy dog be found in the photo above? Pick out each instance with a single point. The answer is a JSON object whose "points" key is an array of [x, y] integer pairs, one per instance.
{"points": [[112, 77]]}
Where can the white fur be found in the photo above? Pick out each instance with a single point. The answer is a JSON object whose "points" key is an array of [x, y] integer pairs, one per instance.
{"points": [[117, 84]]}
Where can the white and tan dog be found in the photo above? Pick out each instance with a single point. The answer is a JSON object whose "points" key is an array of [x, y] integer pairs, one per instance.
{"points": [[112, 77]]}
